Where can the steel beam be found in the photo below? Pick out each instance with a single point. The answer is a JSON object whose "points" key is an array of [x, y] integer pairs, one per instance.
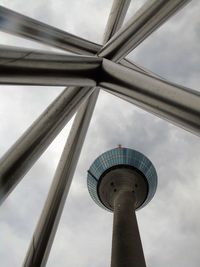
{"points": [[11, 21], [146, 20], [177, 104], [116, 18], [22, 66], [23, 26], [30, 146], [132, 65], [42, 240]]}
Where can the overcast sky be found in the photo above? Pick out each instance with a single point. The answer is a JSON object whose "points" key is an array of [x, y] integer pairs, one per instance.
{"points": [[169, 225]]}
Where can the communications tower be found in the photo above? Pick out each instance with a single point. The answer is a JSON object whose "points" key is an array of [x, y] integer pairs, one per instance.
{"points": [[123, 180]]}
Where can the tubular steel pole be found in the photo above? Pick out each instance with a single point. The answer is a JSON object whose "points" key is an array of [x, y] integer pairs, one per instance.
{"points": [[42, 240], [126, 243], [29, 147], [177, 104], [23, 66], [40, 246], [146, 20], [15, 23], [116, 18], [131, 65]]}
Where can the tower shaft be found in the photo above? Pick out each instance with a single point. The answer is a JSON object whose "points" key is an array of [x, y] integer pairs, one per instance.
{"points": [[126, 243]]}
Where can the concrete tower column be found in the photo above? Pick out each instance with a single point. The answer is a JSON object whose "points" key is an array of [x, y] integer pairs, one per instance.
{"points": [[126, 243], [123, 180]]}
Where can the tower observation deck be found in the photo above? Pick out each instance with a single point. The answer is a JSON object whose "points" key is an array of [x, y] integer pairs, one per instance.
{"points": [[123, 180]]}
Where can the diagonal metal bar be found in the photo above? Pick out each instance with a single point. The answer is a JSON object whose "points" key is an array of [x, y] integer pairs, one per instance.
{"points": [[40, 246], [30, 146], [146, 20], [46, 228], [13, 22], [22, 66], [23, 26], [116, 18], [132, 65], [177, 104]]}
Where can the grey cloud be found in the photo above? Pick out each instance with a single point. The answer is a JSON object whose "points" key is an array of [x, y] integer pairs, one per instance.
{"points": [[173, 50], [169, 224]]}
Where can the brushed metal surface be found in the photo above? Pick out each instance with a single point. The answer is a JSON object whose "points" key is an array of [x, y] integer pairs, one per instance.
{"points": [[30, 67], [116, 18], [44, 233], [146, 20], [26, 27], [29, 147], [169, 101]]}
